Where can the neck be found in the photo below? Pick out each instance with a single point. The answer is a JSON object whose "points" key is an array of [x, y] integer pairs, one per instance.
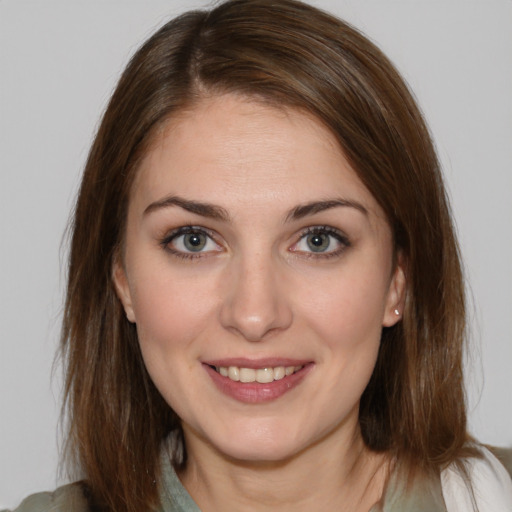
{"points": [[311, 480]]}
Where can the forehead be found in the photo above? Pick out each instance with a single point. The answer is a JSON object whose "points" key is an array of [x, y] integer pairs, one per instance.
{"points": [[241, 150]]}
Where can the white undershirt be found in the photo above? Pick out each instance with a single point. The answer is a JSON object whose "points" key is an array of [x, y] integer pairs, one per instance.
{"points": [[491, 483]]}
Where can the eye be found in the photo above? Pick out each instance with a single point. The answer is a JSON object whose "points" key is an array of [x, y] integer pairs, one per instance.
{"points": [[321, 241], [318, 242], [190, 241]]}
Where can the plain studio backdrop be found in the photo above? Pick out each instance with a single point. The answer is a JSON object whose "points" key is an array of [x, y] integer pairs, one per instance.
{"points": [[59, 61]]}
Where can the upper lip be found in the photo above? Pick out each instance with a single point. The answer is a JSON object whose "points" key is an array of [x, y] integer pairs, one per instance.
{"points": [[266, 362]]}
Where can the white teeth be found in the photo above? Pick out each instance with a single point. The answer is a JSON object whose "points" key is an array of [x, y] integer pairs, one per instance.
{"points": [[234, 373], [247, 375], [261, 375], [265, 375], [279, 373]]}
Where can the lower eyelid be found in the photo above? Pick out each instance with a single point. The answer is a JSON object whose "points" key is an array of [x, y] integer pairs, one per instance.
{"points": [[341, 241], [167, 241]]}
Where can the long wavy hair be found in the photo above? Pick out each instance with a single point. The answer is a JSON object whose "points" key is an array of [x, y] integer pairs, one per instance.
{"points": [[288, 54]]}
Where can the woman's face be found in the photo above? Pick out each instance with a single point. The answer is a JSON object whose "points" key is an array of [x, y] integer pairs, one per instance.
{"points": [[259, 272]]}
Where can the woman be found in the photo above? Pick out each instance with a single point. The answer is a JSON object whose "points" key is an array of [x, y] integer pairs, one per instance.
{"points": [[265, 303]]}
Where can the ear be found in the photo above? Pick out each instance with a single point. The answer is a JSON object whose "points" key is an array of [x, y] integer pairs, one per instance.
{"points": [[123, 289], [396, 294]]}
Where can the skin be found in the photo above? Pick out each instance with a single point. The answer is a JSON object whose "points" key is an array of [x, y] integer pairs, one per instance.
{"points": [[257, 290]]}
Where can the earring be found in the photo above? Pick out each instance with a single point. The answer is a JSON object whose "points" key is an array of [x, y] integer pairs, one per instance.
{"points": [[397, 313]]}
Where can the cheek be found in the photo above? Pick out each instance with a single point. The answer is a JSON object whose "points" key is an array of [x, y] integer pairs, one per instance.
{"points": [[348, 308], [170, 310], [347, 318], [171, 313]]}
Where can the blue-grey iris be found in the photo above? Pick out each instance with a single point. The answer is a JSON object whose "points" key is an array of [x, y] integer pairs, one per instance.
{"points": [[318, 242], [194, 241]]}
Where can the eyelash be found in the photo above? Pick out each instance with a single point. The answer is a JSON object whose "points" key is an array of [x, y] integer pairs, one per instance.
{"points": [[313, 230], [329, 231], [186, 230]]}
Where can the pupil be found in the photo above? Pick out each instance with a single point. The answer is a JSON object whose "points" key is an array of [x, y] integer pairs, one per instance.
{"points": [[318, 242], [195, 241]]}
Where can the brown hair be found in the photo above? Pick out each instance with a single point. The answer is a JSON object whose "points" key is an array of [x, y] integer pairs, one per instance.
{"points": [[286, 53]]}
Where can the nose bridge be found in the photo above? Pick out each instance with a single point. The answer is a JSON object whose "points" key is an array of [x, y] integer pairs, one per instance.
{"points": [[255, 300]]}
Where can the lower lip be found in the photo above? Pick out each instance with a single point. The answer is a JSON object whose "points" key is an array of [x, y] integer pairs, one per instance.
{"points": [[254, 392]]}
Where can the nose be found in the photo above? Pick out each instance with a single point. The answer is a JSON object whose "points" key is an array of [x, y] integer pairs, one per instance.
{"points": [[255, 301]]}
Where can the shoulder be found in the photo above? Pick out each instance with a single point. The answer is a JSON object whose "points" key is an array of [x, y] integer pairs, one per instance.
{"points": [[69, 498], [490, 484], [504, 455]]}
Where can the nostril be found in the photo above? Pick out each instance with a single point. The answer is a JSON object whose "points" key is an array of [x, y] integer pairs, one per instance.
{"points": [[254, 305]]}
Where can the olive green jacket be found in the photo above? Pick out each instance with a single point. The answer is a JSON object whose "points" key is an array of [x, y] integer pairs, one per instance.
{"points": [[425, 495]]}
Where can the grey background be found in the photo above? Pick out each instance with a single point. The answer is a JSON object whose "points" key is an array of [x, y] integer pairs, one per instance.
{"points": [[59, 61]]}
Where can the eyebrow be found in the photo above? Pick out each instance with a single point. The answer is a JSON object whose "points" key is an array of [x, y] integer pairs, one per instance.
{"points": [[304, 210], [218, 213], [204, 209]]}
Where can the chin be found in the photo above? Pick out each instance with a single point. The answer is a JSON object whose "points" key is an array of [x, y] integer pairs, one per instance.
{"points": [[260, 452], [260, 444]]}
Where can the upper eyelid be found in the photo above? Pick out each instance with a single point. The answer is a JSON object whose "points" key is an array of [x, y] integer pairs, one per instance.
{"points": [[341, 238], [166, 241], [191, 228], [167, 238], [330, 230], [183, 230]]}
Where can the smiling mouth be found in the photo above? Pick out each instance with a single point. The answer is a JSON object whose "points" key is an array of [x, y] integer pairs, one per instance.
{"points": [[260, 375]]}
